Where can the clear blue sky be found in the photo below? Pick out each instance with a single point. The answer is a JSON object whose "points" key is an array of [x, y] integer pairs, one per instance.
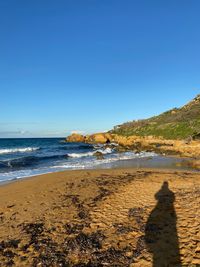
{"points": [[87, 65]]}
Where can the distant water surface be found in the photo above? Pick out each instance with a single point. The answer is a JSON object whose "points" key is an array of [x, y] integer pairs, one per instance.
{"points": [[31, 156]]}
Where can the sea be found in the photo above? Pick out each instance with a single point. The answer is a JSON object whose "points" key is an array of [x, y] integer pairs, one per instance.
{"points": [[20, 158]]}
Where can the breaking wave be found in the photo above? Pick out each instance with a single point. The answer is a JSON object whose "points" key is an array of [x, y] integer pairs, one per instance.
{"points": [[92, 153], [28, 161], [18, 150]]}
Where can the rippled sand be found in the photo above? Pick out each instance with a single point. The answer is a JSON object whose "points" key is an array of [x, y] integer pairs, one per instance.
{"points": [[119, 217]]}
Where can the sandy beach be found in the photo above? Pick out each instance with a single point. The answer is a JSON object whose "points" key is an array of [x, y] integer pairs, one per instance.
{"points": [[115, 217], [100, 133]]}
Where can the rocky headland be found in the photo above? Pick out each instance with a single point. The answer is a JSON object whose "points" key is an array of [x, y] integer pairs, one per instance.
{"points": [[175, 132], [140, 143]]}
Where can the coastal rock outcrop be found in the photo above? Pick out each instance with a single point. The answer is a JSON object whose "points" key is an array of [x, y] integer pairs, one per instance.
{"points": [[98, 138], [142, 143], [174, 132], [75, 138]]}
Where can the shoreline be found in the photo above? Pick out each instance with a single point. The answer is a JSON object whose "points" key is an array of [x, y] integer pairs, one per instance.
{"points": [[156, 169], [123, 164], [48, 157], [166, 162], [94, 216]]}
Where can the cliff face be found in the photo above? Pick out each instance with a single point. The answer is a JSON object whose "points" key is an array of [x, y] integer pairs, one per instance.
{"points": [[178, 123]]}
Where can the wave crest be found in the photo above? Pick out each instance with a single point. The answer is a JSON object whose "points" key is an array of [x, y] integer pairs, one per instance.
{"points": [[28, 161], [80, 155], [16, 150]]}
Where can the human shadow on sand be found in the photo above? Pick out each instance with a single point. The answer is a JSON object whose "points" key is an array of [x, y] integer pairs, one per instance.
{"points": [[161, 232]]}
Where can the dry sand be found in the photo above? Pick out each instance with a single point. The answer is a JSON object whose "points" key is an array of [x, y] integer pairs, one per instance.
{"points": [[119, 217]]}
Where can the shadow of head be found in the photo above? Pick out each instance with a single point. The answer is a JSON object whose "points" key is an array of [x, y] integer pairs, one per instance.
{"points": [[165, 196]]}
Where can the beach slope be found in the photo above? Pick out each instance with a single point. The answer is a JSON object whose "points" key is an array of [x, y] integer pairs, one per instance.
{"points": [[119, 217]]}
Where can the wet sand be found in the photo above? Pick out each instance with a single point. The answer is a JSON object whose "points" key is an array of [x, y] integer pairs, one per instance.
{"points": [[115, 217]]}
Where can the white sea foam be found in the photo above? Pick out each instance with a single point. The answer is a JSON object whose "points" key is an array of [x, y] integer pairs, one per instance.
{"points": [[108, 150], [80, 155], [15, 150], [91, 163], [74, 163]]}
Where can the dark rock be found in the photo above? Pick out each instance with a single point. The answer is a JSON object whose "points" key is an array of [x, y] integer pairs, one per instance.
{"points": [[85, 242], [98, 155], [74, 228], [83, 214]]}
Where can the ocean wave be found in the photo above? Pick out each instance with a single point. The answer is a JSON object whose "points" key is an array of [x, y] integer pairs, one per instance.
{"points": [[80, 155], [108, 150], [28, 161], [126, 156], [111, 158], [16, 150], [22, 167], [77, 147], [91, 153], [18, 174]]}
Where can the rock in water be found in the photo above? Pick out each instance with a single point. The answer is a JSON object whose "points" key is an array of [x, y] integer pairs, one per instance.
{"points": [[99, 155]]}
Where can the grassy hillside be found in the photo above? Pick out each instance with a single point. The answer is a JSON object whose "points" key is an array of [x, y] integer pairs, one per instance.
{"points": [[178, 123]]}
